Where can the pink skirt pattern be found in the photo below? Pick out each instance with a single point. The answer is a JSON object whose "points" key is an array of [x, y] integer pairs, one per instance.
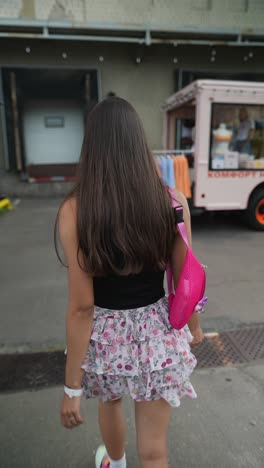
{"points": [[137, 352]]}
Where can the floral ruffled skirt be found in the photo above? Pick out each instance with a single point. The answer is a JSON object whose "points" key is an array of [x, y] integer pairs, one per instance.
{"points": [[137, 352]]}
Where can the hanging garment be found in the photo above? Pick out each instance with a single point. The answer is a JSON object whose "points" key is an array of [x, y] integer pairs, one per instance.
{"points": [[186, 178], [182, 175], [177, 173], [163, 168], [170, 172]]}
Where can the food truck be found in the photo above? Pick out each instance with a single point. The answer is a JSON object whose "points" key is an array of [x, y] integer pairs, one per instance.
{"points": [[219, 126]]}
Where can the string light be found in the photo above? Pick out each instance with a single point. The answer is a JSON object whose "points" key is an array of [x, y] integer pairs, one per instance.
{"points": [[28, 50], [250, 54], [213, 55], [245, 58], [64, 55], [138, 60], [101, 58], [175, 60]]}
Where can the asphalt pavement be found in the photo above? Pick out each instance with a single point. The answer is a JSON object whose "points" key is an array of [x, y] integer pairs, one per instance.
{"points": [[33, 284], [223, 428]]}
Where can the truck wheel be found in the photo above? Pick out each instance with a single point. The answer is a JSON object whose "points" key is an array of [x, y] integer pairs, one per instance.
{"points": [[255, 211]]}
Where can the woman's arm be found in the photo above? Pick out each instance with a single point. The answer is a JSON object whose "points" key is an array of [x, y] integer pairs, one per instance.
{"points": [[178, 257], [80, 298]]}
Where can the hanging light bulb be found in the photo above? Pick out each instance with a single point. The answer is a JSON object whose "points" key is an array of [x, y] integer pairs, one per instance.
{"points": [[175, 60], [213, 52], [251, 54], [28, 50], [245, 58], [64, 55], [138, 60], [212, 58], [101, 58]]}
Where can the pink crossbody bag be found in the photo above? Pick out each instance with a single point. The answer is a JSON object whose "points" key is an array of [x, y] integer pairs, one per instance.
{"points": [[189, 295]]}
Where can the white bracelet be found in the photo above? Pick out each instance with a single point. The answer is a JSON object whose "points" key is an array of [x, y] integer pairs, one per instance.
{"points": [[71, 392]]}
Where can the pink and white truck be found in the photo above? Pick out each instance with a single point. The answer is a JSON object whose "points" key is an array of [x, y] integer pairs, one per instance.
{"points": [[220, 127]]}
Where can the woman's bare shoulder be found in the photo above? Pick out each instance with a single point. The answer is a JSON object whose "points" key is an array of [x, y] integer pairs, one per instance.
{"points": [[68, 219]]}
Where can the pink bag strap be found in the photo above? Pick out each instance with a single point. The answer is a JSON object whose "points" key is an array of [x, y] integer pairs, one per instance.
{"points": [[182, 230], [181, 226]]}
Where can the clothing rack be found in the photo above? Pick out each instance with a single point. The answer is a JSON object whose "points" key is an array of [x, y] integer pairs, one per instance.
{"points": [[174, 169], [157, 153]]}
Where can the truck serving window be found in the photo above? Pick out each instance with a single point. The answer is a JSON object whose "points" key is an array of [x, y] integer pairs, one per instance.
{"points": [[237, 137]]}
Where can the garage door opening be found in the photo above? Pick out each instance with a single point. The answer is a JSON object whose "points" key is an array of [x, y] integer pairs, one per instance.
{"points": [[46, 110]]}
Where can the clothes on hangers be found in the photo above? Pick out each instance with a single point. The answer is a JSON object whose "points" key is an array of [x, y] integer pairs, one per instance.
{"points": [[178, 173], [170, 172], [182, 175], [163, 168], [174, 171], [187, 178], [166, 167]]}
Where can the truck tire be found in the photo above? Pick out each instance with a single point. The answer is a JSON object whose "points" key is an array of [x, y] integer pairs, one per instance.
{"points": [[255, 211]]}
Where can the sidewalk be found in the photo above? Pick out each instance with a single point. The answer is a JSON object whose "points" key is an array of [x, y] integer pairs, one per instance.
{"points": [[13, 186], [223, 428]]}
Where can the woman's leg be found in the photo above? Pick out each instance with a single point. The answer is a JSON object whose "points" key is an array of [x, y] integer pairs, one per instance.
{"points": [[152, 420], [112, 426]]}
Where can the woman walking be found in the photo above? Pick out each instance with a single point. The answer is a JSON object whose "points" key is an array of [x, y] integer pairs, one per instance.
{"points": [[118, 232]]}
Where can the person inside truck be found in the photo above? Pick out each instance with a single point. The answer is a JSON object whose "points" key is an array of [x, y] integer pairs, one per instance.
{"points": [[244, 132]]}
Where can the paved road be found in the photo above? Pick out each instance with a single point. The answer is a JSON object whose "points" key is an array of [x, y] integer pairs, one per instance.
{"points": [[223, 428], [33, 284]]}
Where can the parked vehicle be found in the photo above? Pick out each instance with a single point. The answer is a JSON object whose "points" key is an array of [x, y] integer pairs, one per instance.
{"points": [[220, 125]]}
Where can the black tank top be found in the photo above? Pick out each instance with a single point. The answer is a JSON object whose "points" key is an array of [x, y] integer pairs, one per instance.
{"points": [[128, 292], [132, 291]]}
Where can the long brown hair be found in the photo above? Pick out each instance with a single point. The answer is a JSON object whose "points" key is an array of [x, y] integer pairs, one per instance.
{"points": [[125, 222]]}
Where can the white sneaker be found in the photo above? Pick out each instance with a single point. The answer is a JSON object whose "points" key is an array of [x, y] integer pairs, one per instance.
{"points": [[101, 458]]}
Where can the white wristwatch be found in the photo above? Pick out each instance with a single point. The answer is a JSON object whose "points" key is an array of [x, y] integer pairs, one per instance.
{"points": [[72, 392]]}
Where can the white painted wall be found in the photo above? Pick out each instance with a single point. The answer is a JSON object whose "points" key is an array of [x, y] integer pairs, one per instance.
{"points": [[52, 145]]}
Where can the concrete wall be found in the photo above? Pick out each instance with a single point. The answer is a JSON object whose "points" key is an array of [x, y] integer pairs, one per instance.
{"points": [[199, 13], [2, 128], [146, 85], [2, 158]]}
